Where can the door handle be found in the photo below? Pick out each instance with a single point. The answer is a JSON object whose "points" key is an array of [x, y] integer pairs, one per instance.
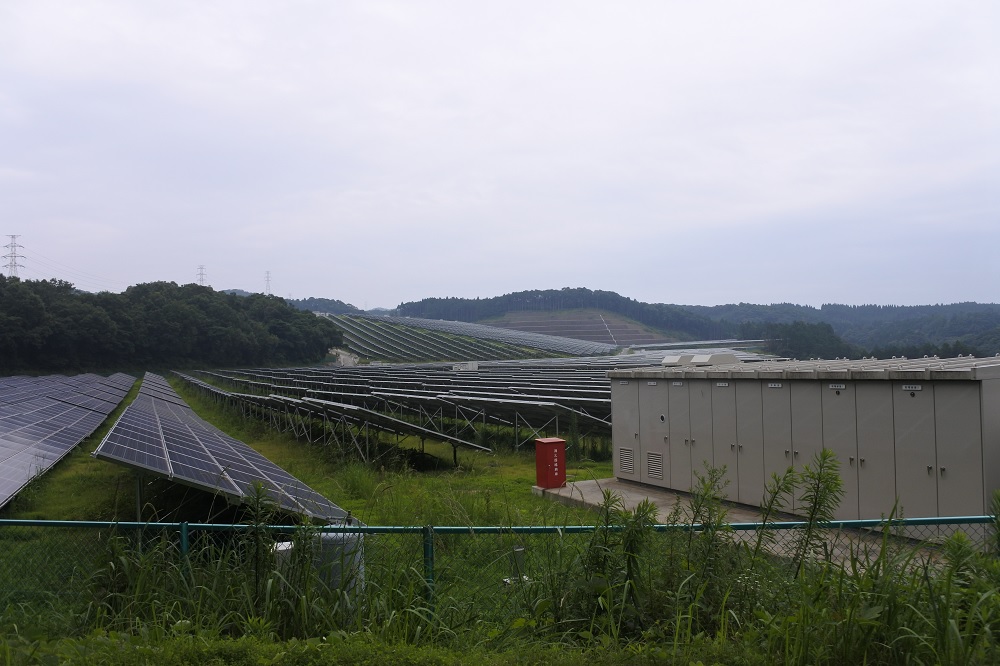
{"points": [[851, 459]]}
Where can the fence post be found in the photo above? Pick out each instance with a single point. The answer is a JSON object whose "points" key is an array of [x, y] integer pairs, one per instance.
{"points": [[185, 544], [429, 561]]}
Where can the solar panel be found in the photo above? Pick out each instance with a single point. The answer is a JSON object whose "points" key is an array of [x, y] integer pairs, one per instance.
{"points": [[161, 434], [44, 418]]}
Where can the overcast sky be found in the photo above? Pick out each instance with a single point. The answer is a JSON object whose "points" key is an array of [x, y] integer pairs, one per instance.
{"points": [[382, 152]]}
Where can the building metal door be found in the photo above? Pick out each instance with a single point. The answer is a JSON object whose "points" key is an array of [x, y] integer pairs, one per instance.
{"points": [[916, 456], [680, 435], [876, 449], [725, 451], [777, 424], [958, 425], [625, 422], [654, 432], [702, 427], [750, 441], [840, 435]]}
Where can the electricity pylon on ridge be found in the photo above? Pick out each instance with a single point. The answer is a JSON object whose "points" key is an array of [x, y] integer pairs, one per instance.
{"points": [[12, 256]]}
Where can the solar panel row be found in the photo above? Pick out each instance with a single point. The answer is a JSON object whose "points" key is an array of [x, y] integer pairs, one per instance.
{"points": [[416, 398], [384, 348], [44, 418], [161, 434], [560, 386]]}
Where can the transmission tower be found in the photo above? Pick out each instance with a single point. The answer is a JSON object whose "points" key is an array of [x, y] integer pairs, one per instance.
{"points": [[201, 275], [12, 256], [267, 283]]}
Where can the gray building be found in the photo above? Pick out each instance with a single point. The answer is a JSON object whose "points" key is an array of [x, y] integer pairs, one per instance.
{"points": [[923, 431]]}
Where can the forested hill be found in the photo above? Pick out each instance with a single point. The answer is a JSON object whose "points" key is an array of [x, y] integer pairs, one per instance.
{"points": [[47, 325], [878, 329], [330, 305], [670, 319], [974, 325]]}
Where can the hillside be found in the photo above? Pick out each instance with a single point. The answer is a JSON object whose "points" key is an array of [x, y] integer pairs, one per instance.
{"points": [[868, 329], [583, 324], [670, 320]]}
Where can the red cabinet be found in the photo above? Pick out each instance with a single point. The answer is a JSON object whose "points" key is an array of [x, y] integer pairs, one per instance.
{"points": [[550, 462]]}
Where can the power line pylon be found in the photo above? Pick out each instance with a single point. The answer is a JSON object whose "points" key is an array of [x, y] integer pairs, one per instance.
{"points": [[12, 256], [267, 283], [201, 275]]}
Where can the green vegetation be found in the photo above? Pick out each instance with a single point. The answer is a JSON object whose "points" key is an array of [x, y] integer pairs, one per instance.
{"points": [[47, 325], [329, 305], [623, 592], [657, 316], [945, 330]]}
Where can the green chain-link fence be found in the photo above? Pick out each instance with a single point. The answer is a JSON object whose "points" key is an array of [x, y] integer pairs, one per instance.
{"points": [[906, 591]]}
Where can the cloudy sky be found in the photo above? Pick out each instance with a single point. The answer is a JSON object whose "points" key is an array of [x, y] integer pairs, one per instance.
{"points": [[382, 152]]}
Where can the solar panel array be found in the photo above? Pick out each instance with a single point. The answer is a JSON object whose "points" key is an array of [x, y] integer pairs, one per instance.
{"points": [[159, 433], [403, 338], [505, 391], [44, 418]]}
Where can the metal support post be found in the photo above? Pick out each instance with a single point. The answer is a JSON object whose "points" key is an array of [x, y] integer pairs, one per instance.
{"points": [[429, 562]]}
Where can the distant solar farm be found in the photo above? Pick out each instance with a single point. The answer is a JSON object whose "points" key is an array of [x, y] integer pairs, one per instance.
{"points": [[409, 339]]}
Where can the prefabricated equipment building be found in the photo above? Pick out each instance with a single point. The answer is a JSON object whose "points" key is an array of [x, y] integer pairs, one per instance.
{"points": [[925, 432]]}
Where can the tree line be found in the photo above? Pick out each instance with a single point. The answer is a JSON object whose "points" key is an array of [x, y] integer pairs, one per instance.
{"points": [[48, 325], [799, 331]]}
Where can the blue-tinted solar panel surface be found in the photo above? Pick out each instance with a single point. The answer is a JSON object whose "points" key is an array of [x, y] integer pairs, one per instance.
{"points": [[159, 433], [43, 418]]}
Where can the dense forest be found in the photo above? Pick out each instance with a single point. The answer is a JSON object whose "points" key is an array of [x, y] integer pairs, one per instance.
{"points": [[968, 325], [49, 325], [330, 305], [795, 330]]}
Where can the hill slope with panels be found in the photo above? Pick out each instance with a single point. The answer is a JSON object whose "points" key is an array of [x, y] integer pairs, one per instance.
{"points": [[160, 434], [44, 418], [584, 324], [389, 338]]}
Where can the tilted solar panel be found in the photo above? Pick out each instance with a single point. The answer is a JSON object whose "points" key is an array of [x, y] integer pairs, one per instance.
{"points": [[43, 418], [161, 434]]}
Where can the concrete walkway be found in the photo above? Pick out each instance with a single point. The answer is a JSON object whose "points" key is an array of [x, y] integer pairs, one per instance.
{"points": [[590, 494]]}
